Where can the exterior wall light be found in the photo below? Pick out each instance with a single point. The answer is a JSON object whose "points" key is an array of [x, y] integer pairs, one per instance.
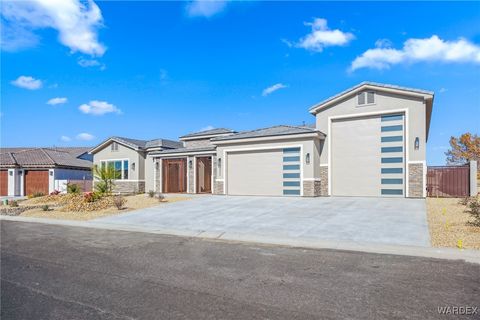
{"points": [[307, 158], [190, 164], [417, 143], [157, 165], [133, 166]]}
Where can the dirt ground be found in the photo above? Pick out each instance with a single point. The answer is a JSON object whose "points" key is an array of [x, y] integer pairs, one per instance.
{"points": [[448, 224], [133, 202]]}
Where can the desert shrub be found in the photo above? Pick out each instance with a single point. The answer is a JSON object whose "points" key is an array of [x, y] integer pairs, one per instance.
{"points": [[104, 176], [13, 203], [473, 209], [45, 207], [151, 193], [54, 192], [92, 196], [73, 188], [119, 202], [37, 194], [160, 197]]}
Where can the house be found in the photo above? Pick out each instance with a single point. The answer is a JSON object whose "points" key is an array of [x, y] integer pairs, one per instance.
{"points": [[127, 156], [25, 171], [369, 140]]}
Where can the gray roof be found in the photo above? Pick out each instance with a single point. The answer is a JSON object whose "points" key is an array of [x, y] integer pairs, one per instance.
{"points": [[369, 83], [279, 130], [74, 151], [42, 157], [145, 144], [184, 150], [208, 132]]}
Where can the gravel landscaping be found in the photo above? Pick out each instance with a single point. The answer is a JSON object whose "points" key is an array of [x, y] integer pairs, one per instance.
{"points": [[448, 224], [59, 207]]}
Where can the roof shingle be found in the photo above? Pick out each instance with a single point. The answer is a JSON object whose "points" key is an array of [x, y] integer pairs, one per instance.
{"points": [[279, 130]]}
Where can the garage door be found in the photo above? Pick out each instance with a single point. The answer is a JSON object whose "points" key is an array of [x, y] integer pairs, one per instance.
{"points": [[368, 156], [4, 183], [36, 181], [264, 172]]}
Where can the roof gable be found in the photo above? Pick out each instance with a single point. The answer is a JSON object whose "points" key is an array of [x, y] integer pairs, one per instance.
{"points": [[370, 86]]}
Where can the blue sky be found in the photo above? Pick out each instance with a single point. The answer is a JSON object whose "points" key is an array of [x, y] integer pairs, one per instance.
{"points": [[76, 73]]}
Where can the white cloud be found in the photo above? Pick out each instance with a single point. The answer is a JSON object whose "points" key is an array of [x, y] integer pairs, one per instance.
{"points": [[27, 82], [419, 50], [98, 108], [273, 88], [65, 138], [321, 36], [58, 100], [86, 63], [85, 136], [209, 127], [442, 90], [205, 8], [77, 23]]}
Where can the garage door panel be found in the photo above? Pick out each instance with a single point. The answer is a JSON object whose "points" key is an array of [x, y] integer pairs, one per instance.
{"points": [[36, 182], [255, 173], [4, 183], [368, 156]]}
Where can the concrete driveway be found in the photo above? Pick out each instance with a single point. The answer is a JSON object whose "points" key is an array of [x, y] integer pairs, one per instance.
{"points": [[359, 220]]}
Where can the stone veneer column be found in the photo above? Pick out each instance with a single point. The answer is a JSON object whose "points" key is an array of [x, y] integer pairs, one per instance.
{"points": [[129, 187], [323, 181], [191, 174], [158, 175], [311, 188], [415, 180]]}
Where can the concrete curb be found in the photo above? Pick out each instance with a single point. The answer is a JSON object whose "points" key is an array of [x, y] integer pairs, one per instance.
{"points": [[467, 255]]}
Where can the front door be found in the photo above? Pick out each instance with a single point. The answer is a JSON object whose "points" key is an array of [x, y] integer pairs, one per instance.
{"points": [[204, 175], [174, 175]]}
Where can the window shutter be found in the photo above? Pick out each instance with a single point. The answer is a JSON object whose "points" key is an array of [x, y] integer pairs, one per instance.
{"points": [[370, 97], [361, 98]]}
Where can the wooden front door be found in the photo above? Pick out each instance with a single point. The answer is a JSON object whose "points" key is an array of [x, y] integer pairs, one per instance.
{"points": [[204, 175], [174, 172], [4, 183], [36, 182]]}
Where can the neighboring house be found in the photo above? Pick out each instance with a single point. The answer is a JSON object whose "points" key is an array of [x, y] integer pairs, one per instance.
{"points": [[24, 171], [127, 156], [369, 140]]}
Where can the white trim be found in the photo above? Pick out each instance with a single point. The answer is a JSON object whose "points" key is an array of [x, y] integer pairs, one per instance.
{"points": [[417, 161], [127, 180], [220, 180], [182, 154], [366, 114], [194, 165], [102, 146], [281, 147], [311, 179], [323, 164], [313, 134]]}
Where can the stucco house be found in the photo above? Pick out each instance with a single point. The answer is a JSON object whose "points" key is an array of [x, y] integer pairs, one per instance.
{"points": [[369, 140], [24, 171]]}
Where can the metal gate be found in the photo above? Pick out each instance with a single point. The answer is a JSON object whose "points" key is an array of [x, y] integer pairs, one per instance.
{"points": [[448, 181]]}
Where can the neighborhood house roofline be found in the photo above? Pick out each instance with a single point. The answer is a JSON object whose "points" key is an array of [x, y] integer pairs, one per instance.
{"points": [[427, 95], [138, 145], [207, 134]]}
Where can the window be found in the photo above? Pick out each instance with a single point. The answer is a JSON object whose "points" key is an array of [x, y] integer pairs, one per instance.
{"points": [[120, 167], [366, 98], [114, 146]]}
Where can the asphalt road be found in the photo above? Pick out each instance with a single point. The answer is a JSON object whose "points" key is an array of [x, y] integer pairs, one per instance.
{"points": [[58, 272]]}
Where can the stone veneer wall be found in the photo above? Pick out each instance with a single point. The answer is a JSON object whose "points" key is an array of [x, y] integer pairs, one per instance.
{"points": [[415, 180], [129, 187], [158, 175], [191, 175], [311, 188], [218, 187], [323, 181]]}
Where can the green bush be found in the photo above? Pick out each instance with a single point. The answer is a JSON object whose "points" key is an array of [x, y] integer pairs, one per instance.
{"points": [[104, 179], [37, 194], [45, 207], [13, 203], [73, 188], [151, 193], [473, 209]]}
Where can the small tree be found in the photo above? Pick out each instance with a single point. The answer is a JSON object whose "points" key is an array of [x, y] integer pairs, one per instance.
{"points": [[464, 149], [105, 176]]}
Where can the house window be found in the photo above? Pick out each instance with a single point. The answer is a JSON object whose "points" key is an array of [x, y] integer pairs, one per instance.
{"points": [[114, 146], [120, 167], [366, 98]]}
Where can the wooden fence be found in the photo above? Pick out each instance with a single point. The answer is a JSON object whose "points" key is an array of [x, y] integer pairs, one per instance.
{"points": [[85, 185], [448, 181]]}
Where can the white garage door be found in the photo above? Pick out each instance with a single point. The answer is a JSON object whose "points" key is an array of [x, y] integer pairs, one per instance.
{"points": [[264, 172], [368, 156]]}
